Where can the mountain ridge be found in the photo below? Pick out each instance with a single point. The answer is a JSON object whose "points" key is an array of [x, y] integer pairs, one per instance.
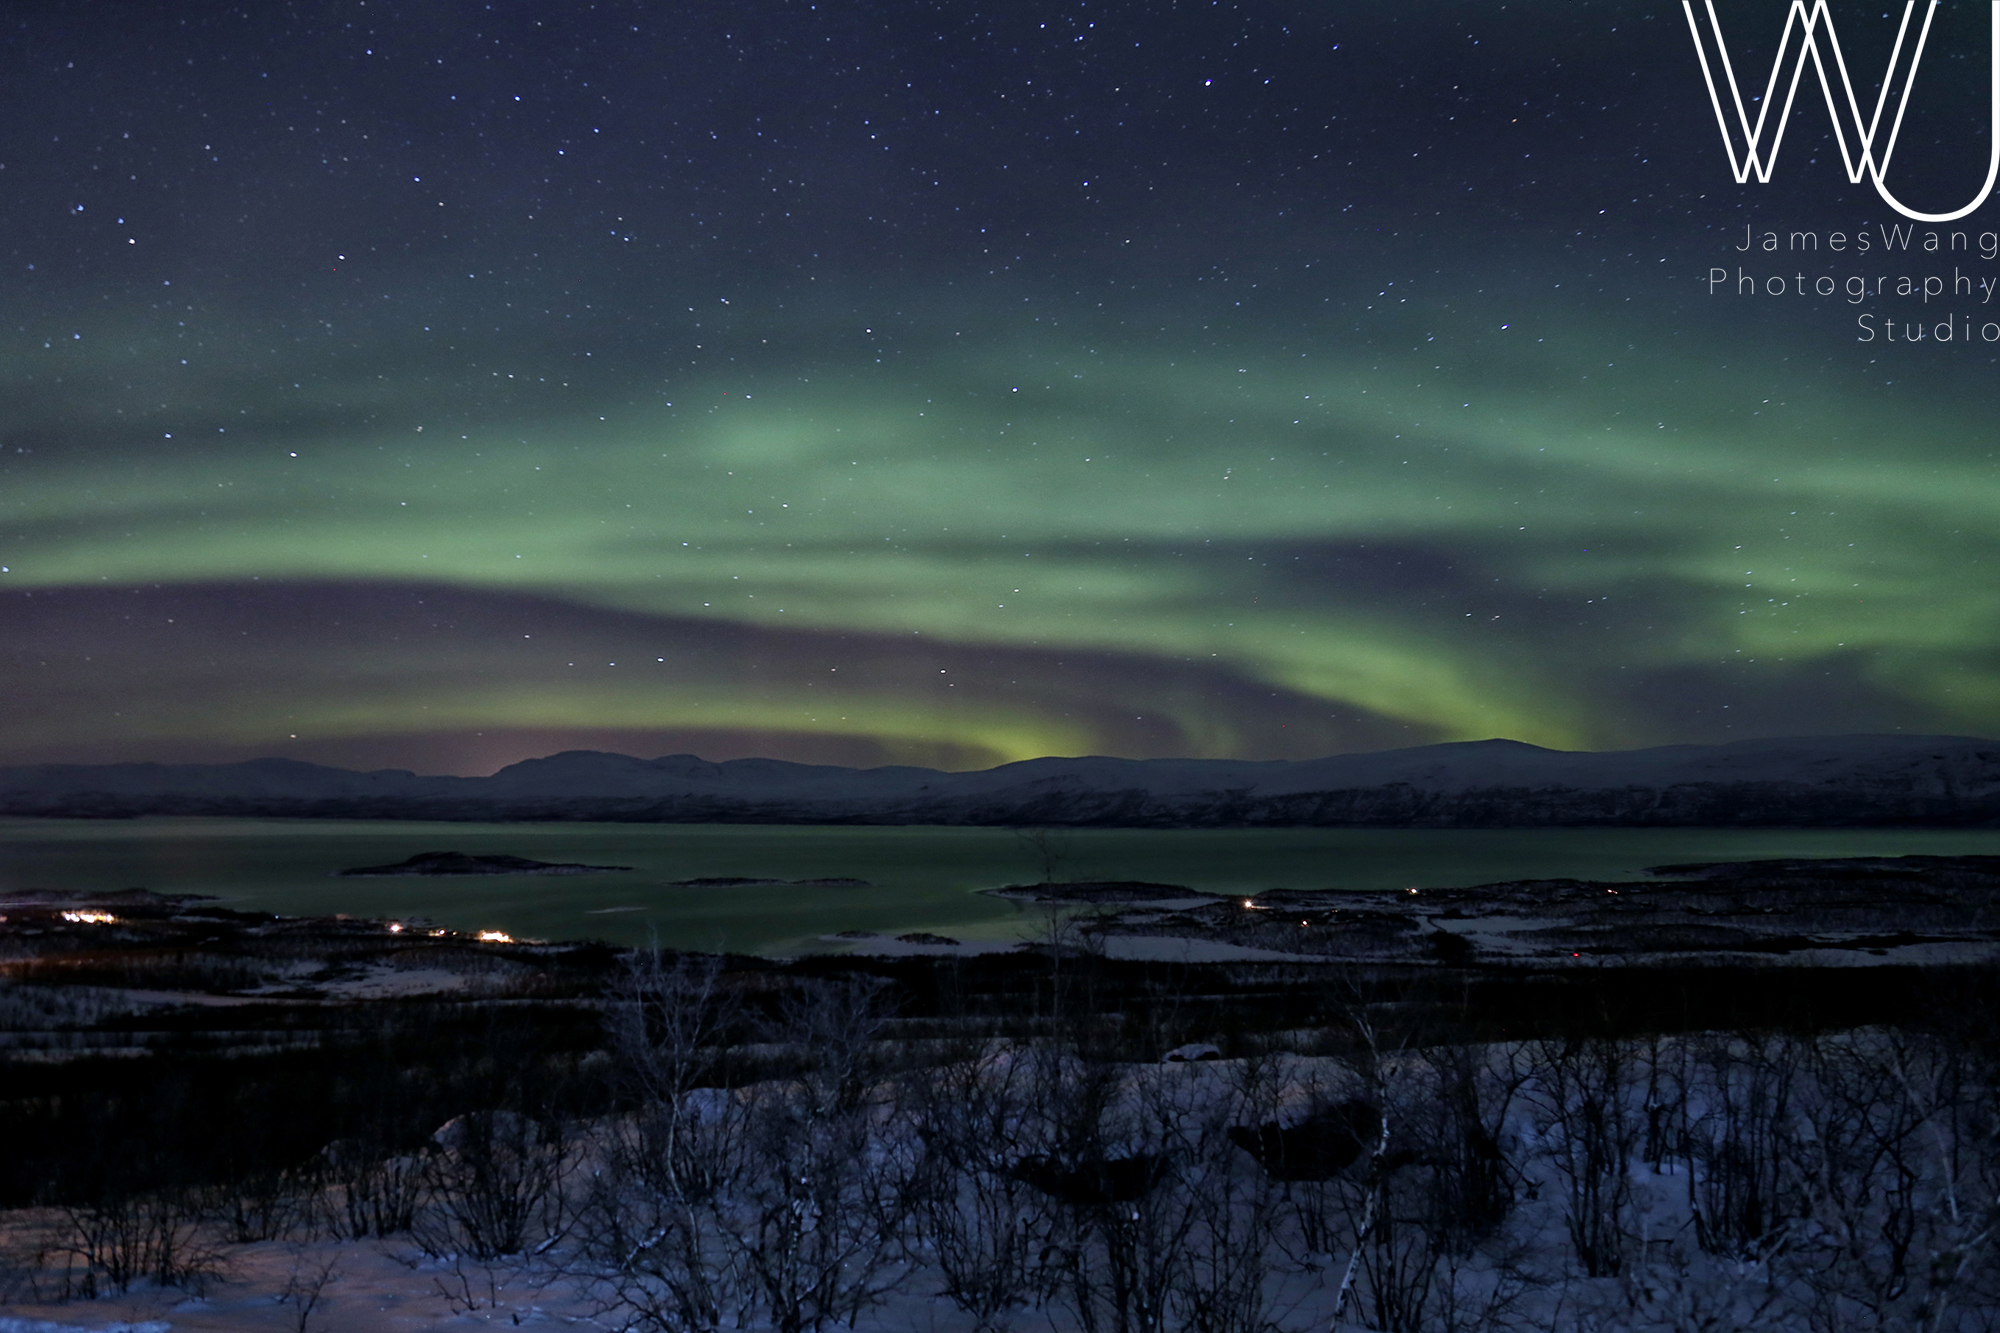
{"points": [[1829, 781]]}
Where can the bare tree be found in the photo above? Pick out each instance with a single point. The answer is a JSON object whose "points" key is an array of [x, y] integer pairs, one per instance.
{"points": [[266, 1205], [105, 1247], [652, 1233], [1581, 1110], [305, 1288], [1367, 1210], [1470, 1093], [1048, 849], [819, 1212], [1900, 1160], [497, 1186], [1433, 1256], [1743, 1187], [369, 1192], [1118, 1173], [1224, 1284], [987, 1230]]}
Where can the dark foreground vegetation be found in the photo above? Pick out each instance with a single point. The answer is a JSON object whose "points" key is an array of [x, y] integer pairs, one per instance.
{"points": [[695, 1142]]}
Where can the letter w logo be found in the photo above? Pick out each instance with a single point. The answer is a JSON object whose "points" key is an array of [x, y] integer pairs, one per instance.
{"points": [[1862, 159]]}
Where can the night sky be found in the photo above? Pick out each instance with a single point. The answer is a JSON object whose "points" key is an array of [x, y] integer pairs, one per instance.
{"points": [[437, 384]]}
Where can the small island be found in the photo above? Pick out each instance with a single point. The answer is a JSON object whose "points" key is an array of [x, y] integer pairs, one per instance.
{"points": [[751, 881], [1102, 891], [462, 863]]}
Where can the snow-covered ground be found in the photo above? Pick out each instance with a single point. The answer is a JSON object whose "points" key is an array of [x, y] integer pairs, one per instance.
{"points": [[1711, 1181]]}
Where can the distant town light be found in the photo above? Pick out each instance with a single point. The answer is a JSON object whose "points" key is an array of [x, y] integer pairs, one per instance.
{"points": [[90, 918], [495, 937]]}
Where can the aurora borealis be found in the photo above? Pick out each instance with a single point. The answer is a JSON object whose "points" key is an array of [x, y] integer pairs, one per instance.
{"points": [[433, 385]]}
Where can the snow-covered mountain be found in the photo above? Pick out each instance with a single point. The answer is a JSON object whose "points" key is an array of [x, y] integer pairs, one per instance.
{"points": [[1838, 780]]}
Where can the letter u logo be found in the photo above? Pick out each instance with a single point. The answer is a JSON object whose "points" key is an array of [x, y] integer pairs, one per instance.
{"points": [[1863, 159]]}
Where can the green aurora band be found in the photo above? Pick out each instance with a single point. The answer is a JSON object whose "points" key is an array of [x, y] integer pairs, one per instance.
{"points": [[1436, 538], [435, 386]]}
